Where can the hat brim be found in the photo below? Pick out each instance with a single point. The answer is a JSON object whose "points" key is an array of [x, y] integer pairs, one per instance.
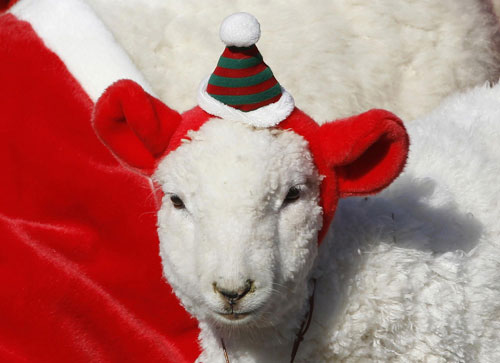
{"points": [[266, 116]]}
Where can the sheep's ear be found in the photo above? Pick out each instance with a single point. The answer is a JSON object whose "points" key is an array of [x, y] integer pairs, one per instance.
{"points": [[134, 125], [367, 151]]}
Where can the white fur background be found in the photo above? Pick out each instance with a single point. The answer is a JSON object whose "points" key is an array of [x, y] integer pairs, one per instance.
{"points": [[336, 57]]}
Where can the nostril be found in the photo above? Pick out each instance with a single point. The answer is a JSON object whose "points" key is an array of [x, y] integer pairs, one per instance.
{"points": [[234, 295], [248, 286]]}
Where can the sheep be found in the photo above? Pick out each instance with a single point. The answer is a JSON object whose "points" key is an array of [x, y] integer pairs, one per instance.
{"points": [[410, 275]]}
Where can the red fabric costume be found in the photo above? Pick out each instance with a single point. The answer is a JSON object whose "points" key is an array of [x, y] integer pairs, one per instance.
{"points": [[80, 273]]}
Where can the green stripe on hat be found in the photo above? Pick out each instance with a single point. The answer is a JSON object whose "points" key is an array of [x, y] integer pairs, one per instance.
{"points": [[258, 78], [239, 63], [248, 99]]}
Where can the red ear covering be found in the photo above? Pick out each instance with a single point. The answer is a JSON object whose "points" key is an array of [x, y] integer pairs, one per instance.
{"points": [[358, 155], [134, 125], [367, 151]]}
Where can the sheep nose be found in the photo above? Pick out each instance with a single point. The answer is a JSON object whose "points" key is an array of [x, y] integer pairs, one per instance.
{"points": [[232, 296]]}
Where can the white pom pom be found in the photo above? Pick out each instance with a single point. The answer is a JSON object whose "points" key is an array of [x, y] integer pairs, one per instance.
{"points": [[240, 30]]}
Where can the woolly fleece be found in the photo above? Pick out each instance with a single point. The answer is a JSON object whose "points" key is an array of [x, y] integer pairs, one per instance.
{"points": [[414, 273], [336, 57]]}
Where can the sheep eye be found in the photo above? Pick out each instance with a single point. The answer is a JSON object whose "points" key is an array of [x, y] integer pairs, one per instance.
{"points": [[292, 195], [176, 201]]}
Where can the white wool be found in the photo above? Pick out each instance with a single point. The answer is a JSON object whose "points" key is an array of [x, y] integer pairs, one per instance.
{"points": [[240, 30], [336, 57], [412, 274]]}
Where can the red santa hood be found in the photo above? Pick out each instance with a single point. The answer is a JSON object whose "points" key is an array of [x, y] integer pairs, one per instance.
{"points": [[80, 272], [356, 156]]}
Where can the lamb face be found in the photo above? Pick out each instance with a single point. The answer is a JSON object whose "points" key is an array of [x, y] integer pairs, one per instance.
{"points": [[244, 238], [245, 207]]}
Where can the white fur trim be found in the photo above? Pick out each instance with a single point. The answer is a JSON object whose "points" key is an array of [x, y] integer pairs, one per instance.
{"points": [[71, 29], [240, 30], [266, 116]]}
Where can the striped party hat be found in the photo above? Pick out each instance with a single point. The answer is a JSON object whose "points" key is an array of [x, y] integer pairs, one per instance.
{"points": [[242, 85]]}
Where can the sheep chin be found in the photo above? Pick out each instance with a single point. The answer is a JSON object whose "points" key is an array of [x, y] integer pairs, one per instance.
{"points": [[235, 319]]}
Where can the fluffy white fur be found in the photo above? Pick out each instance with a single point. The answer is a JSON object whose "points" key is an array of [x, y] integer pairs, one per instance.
{"points": [[414, 274], [336, 57], [410, 275]]}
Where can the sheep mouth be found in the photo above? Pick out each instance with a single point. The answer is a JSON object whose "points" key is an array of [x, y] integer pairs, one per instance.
{"points": [[235, 316]]}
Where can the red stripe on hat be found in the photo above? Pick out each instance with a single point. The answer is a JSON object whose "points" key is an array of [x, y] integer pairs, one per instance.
{"points": [[254, 106], [239, 91], [239, 73], [241, 53]]}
